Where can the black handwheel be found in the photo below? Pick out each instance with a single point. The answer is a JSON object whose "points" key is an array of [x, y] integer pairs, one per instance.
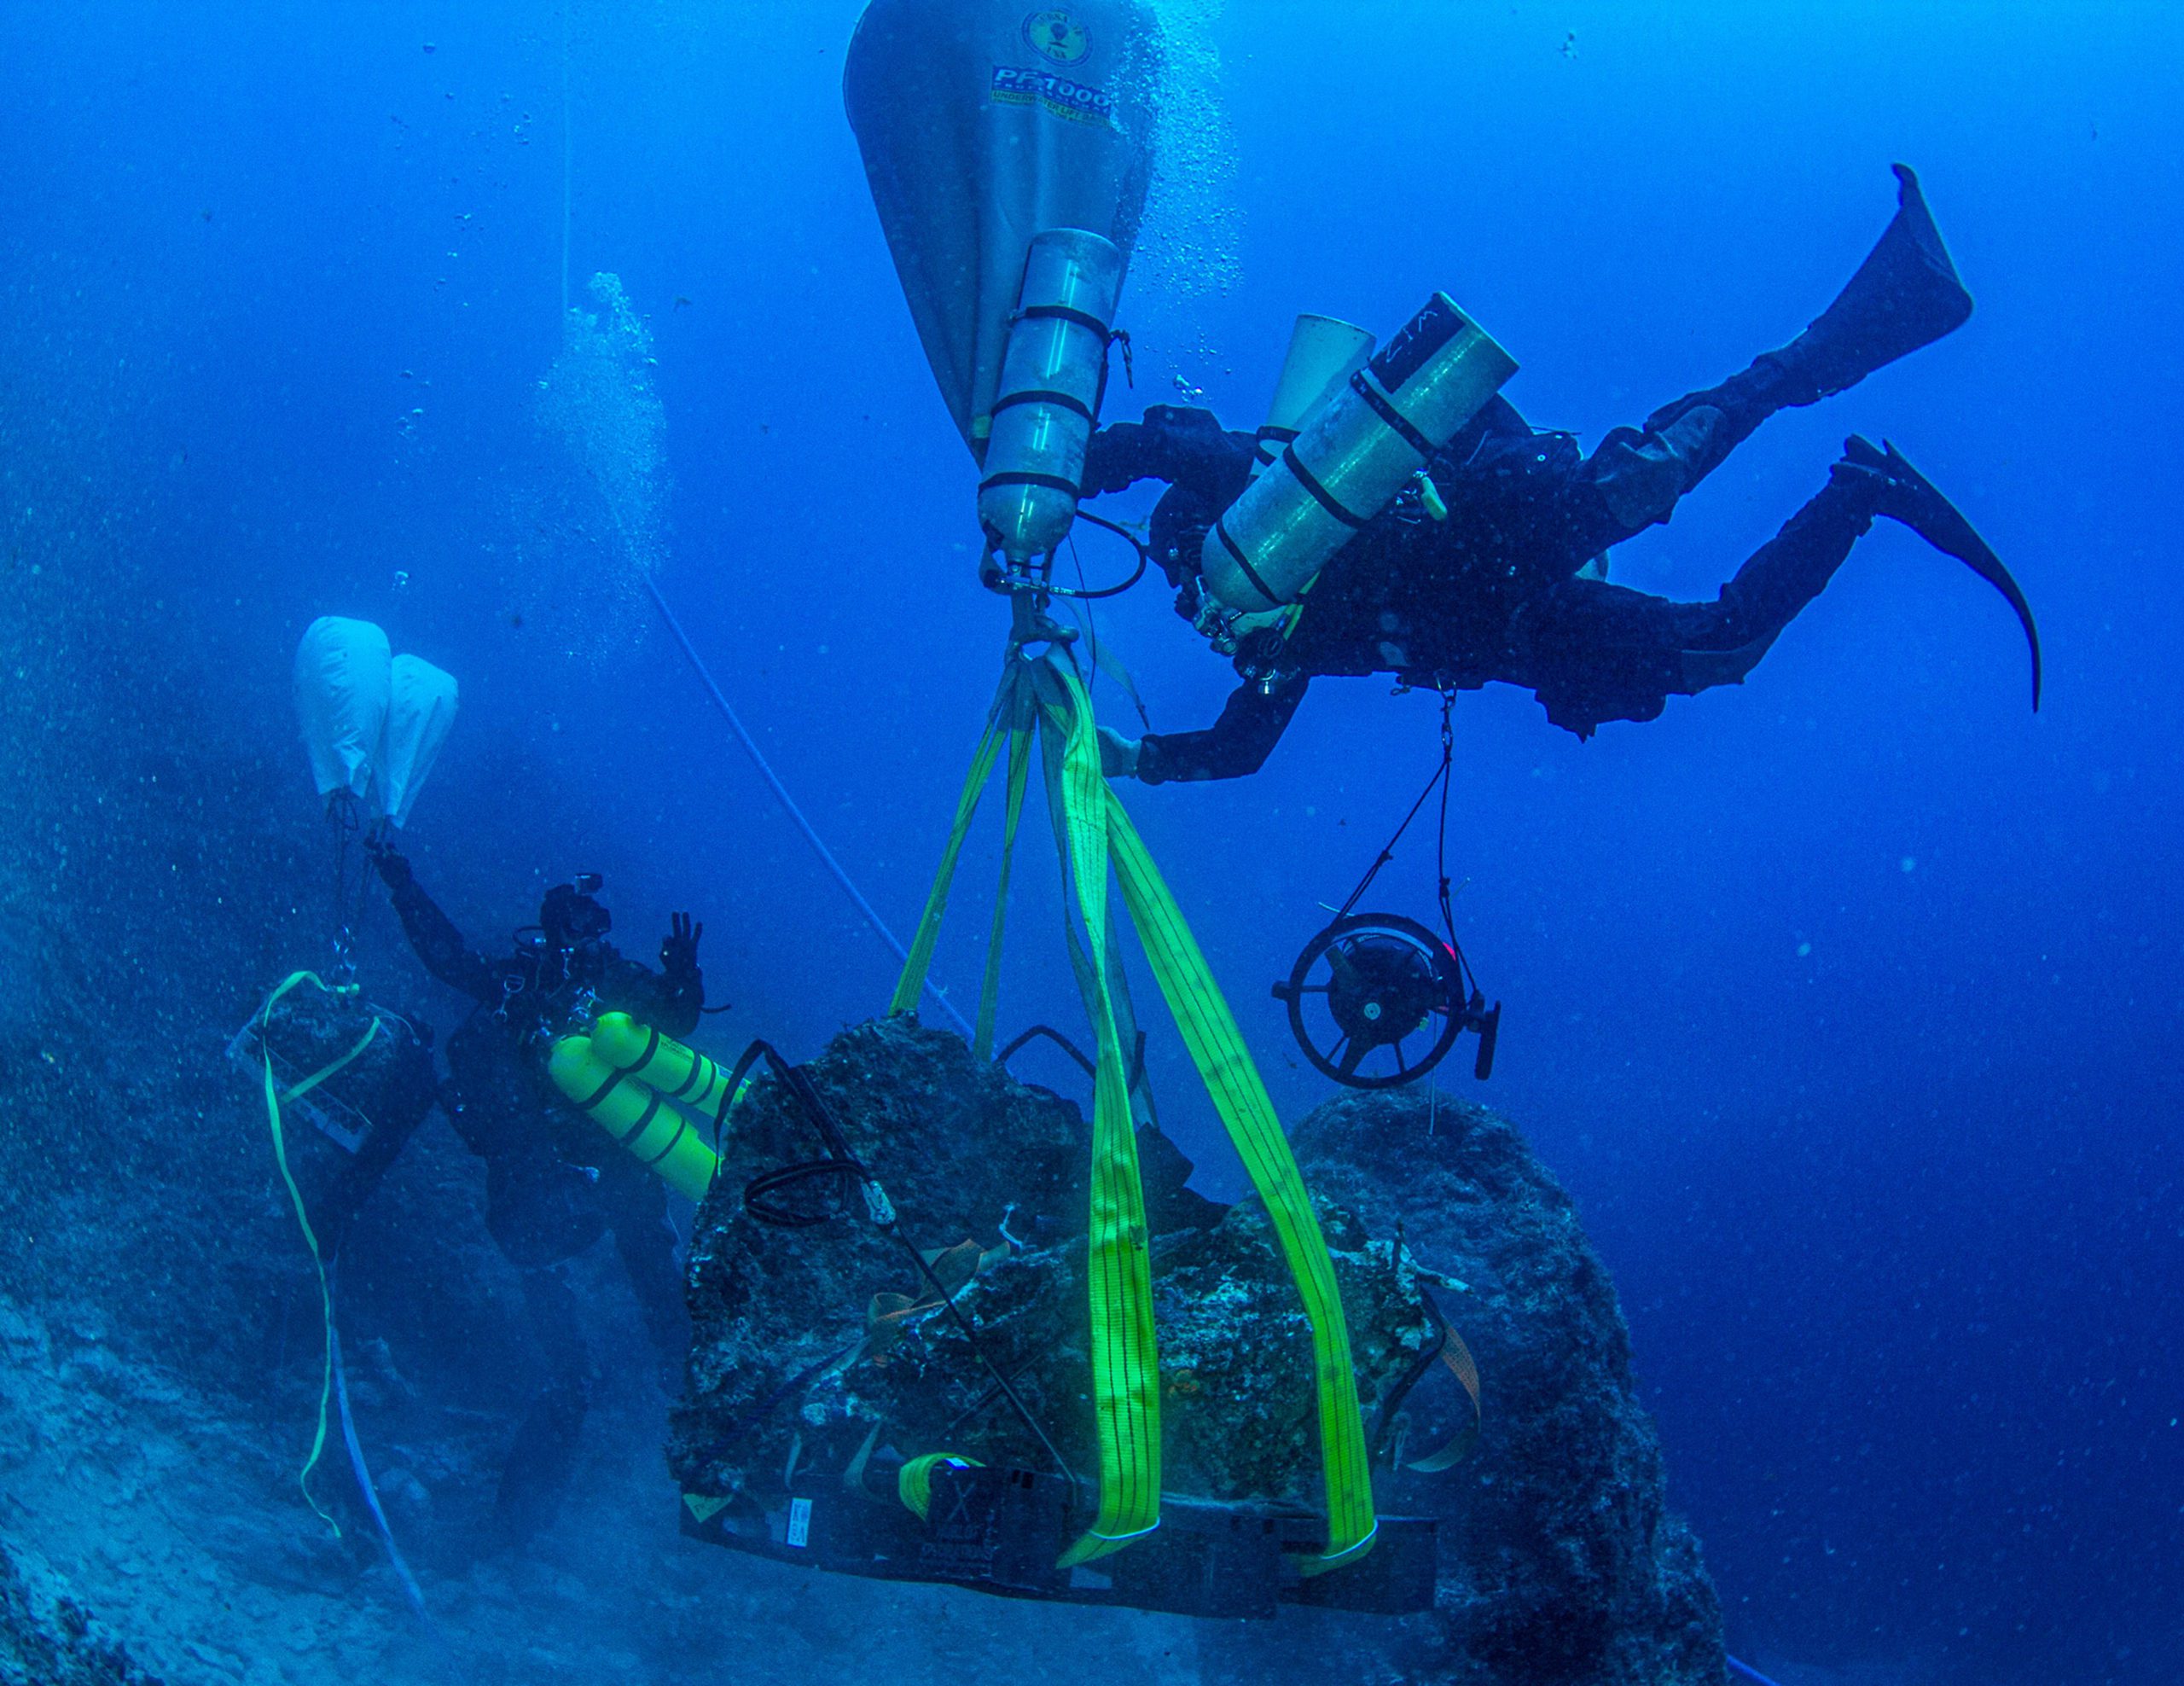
{"points": [[1372, 991]]}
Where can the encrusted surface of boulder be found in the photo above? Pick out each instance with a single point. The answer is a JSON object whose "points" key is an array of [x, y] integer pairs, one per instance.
{"points": [[1560, 1561], [794, 1359]]}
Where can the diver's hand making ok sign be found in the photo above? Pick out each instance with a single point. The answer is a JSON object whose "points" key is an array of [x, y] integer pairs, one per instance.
{"points": [[678, 949]]}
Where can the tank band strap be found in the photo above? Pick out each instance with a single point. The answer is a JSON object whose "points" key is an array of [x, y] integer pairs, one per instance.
{"points": [[650, 1048], [1068, 401], [1063, 313], [1052, 482], [1236, 556], [602, 1092], [681, 1129], [644, 1123], [699, 1067], [1326, 499], [1396, 421]]}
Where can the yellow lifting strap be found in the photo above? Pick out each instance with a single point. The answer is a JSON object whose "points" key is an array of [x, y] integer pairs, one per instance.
{"points": [[1125, 1366], [1019, 767], [1095, 837], [913, 1481], [275, 1094]]}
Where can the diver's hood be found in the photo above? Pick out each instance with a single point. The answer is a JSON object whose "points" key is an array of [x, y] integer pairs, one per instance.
{"points": [[983, 123], [571, 918]]}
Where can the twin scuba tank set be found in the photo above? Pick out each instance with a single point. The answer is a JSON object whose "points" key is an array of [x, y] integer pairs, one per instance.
{"points": [[1374, 1000]]}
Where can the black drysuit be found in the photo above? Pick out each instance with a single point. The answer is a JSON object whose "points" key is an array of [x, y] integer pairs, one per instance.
{"points": [[1495, 591], [555, 1181], [1500, 589]]}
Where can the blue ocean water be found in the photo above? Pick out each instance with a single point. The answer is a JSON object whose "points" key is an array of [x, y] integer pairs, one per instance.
{"points": [[1847, 1003]]}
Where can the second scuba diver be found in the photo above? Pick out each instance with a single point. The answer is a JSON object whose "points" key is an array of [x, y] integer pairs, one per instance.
{"points": [[555, 1181], [1500, 589]]}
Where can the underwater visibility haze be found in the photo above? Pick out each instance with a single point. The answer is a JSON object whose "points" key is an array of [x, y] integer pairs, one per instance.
{"points": [[573, 383]]}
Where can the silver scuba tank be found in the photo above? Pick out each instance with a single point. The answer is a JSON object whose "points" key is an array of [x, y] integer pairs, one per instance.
{"points": [[1324, 352], [1354, 454], [1049, 395]]}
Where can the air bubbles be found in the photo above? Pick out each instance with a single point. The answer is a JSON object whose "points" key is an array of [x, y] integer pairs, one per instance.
{"points": [[1193, 226], [599, 534]]}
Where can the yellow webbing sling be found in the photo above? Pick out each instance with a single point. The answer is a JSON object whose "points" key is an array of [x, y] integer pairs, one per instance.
{"points": [[1096, 835], [1239, 1095], [1125, 1365], [275, 1094]]}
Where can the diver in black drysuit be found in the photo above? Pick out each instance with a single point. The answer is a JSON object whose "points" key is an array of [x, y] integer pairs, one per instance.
{"points": [[555, 1181], [1495, 591]]}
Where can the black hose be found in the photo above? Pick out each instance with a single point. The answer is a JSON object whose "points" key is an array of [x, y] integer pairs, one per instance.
{"points": [[842, 1164], [1384, 1418], [1058, 1040], [1144, 561], [1134, 1077]]}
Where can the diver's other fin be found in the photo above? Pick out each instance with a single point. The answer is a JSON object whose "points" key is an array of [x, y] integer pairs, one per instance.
{"points": [[1906, 294], [1910, 497]]}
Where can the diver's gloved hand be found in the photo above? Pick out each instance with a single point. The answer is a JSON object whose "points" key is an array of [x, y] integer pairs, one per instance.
{"points": [[678, 949], [391, 864], [1116, 458], [1182, 446], [1118, 755]]}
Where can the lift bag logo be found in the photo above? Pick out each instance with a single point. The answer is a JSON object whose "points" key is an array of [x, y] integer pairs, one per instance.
{"points": [[1058, 95], [1056, 36]]}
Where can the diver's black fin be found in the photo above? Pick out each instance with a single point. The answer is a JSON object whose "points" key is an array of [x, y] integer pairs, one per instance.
{"points": [[1905, 295], [1910, 497]]}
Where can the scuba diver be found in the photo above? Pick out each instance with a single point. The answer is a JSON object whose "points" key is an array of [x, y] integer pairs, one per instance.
{"points": [[555, 1181], [1492, 567]]}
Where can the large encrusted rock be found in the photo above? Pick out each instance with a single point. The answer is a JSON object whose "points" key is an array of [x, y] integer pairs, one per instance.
{"points": [[1560, 1562], [1239, 1419], [795, 1362], [781, 1315]]}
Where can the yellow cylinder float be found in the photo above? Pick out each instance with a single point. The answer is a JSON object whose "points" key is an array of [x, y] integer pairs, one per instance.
{"points": [[635, 1114]]}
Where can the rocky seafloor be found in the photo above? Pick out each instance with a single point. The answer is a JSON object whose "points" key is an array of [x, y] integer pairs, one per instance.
{"points": [[48, 1639]]}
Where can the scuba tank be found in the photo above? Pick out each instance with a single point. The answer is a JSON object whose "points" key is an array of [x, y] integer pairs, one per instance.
{"points": [[625, 1101], [1048, 400], [1354, 454], [1324, 352], [1008, 150]]}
